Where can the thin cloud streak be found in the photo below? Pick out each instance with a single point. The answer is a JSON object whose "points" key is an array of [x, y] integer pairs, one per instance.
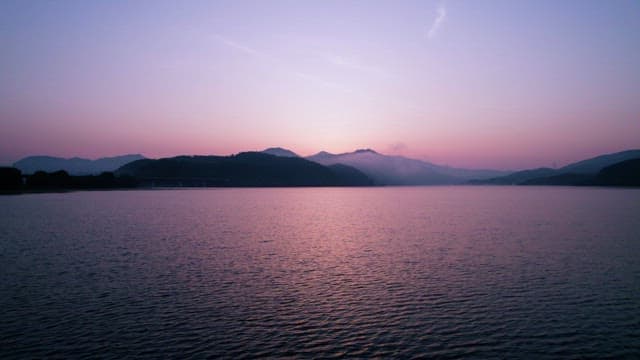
{"points": [[437, 23], [353, 64], [318, 81], [248, 50], [279, 63], [236, 45]]}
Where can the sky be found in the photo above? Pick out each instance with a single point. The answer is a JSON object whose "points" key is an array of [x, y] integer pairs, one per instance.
{"points": [[478, 84]]}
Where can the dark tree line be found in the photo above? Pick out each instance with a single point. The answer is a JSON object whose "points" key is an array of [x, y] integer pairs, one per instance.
{"points": [[12, 180]]}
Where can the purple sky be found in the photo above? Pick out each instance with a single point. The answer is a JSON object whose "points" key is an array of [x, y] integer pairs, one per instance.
{"points": [[500, 84]]}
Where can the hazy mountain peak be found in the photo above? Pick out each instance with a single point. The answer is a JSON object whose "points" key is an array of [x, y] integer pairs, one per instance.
{"points": [[278, 151], [398, 170], [360, 151], [249, 168], [324, 153]]}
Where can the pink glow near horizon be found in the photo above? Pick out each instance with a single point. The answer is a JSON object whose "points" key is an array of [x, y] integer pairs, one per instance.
{"points": [[494, 85]]}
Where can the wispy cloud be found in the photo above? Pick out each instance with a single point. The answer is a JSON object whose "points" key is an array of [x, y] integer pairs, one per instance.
{"points": [[279, 64], [441, 15], [353, 64], [238, 46], [318, 81]]}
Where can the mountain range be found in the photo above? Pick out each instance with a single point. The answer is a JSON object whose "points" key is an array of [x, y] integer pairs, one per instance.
{"points": [[281, 167], [360, 167], [74, 166]]}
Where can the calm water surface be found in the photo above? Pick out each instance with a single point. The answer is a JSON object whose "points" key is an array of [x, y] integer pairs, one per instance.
{"points": [[446, 272]]}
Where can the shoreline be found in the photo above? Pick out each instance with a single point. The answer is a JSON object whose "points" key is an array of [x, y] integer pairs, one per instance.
{"points": [[64, 191]]}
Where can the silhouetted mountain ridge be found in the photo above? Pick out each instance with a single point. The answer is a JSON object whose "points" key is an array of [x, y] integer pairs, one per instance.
{"points": [[243, 169]]}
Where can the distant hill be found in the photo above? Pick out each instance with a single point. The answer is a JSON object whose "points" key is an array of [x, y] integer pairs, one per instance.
{"points": [[74, 166], [624, 173], [593, 165], [278, 151], [398, 170], [562, 179], [517, 177], [244, 169], [578, 173]]}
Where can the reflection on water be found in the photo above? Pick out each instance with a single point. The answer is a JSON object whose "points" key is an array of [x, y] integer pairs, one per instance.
{"points": [[389, 272]]}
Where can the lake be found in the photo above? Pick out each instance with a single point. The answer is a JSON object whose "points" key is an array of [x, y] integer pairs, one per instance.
{"points": [[393, 272]]}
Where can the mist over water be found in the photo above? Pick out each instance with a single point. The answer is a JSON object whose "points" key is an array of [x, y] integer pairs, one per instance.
{"points": [[447, 272]]}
